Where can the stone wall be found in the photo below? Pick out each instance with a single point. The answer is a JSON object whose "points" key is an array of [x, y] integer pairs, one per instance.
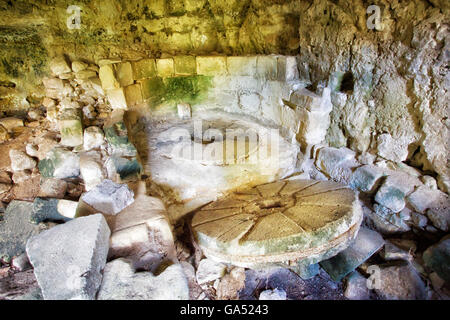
{"points": [[389, 84]]}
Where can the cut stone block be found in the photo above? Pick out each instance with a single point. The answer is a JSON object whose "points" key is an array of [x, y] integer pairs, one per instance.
{"points": [[184, 65], [85, 74], [108, 78], [287, 68], [20, 160], [68, 259], [133, 94], [211, 66], [165, 67], [91, 170], [366, 178], [116, 98], [241, 66], [59, 65], [60, 163], [142, 233], [266, 67], [208, 270], [54, 209], [120, 282], [152, 88], [93, 138], [238, 228], [71, 127], [121, 169], [365, 245], [145, 68], [108, 197], [124, 73]]}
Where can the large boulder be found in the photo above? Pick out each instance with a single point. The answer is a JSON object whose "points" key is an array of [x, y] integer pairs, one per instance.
{"points": [[68, 259], [120, 282]]}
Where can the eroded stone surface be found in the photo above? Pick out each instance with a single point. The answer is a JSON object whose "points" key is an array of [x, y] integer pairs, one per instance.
{"points": [[288, 220]]}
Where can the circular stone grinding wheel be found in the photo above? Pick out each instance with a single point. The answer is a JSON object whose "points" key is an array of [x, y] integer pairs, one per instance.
{"points": [[284, 222]]}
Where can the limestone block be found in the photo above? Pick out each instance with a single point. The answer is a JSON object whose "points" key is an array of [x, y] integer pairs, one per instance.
{"points": [[211, 66], [59, 65], [266, 67], [20, 160], [78, 66], [392, 149], [123, 169], [152, 87], [165, 67], [366, 178], [60, 163], [241, 66], [68, 259], [91, 170], [424, 198], [116, 98], [250, 103], [287, 68], [108, 78], [144, 68], [93, 138], [184, 65], [116, 134], [54, 209], [85, 74], [437, 257], [71, 127], [392, 193], [124, 73], [184, 110], [9, 123], [53, 83], [133, 94]]}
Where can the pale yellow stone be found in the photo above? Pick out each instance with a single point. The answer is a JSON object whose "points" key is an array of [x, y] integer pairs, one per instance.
{"points": [[133, 94], [108, 78], [124, 73], [184, 65], [165, 67], [116, 98], [211, 66], [143, 69], [241, 66]]}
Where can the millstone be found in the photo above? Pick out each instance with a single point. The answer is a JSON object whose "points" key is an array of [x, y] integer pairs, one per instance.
{"points": [[288, 222]]}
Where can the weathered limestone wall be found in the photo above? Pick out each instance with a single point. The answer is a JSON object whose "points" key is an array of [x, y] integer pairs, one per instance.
{"points": [[389, 85]]}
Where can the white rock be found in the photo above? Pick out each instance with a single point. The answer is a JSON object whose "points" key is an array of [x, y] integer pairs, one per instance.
{"points": [[108, 78], [91, 170], [184, 110], [423, 198], [209, 270], [392, 149], [120, 282], [275, 294], [336, 163], [78, 66], [109, 197], [21, 263], [356, 287], [440, 217], [10, 123], [20, 160], [93, 138], [68, 259]]}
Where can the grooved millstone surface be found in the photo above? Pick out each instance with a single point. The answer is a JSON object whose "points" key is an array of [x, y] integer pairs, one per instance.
{"points": [[283, 221]]}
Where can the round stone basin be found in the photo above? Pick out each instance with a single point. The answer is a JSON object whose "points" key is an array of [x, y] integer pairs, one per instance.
{"points": [[197, 160], [280, 222]]}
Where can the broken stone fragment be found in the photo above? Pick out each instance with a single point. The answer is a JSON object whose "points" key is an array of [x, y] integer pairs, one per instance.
{"points": [[238, 228], [4, 135], [91, 169], [10, 123], [20, 160], [392, 149], [424, 198], [60, 163], [71, 127], [367, 242], [116, 135], [437, 258], [53, 209], [393, 221], [275, 294], [93, 138], [124, 73], [59, 65], [399, 282], [53, 83], [393, 252], [21, 263], [121, 282], [356, 287], [336, 163], [68, 259], [230, 284], [392, 193], [209, 270], [142, 233], [52, 188], [440, 217], [366, 178], [78, 66], [123, 169], [108, 197], [16, 228]]}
